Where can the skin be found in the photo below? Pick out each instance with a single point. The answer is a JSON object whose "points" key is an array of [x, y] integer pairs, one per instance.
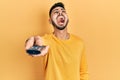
{"points": [[59, 20]]}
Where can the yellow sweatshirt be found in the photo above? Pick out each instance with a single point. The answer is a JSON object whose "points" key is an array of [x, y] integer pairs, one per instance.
{"points": [[66, 59]]}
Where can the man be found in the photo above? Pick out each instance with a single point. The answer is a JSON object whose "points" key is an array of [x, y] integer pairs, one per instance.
{"points": [[64, 57]]}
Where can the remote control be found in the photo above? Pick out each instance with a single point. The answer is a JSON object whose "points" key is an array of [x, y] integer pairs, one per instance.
{"points": [[34, 50]]}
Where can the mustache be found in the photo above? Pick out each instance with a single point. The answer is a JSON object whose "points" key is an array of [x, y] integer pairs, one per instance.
{"points": [[60, 15]]}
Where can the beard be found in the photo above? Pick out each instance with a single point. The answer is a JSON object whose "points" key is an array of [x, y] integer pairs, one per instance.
{"points": [[59, 27]]}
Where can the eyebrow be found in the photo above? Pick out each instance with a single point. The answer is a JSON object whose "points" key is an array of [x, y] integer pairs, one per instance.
{"points": [[57, 9]]}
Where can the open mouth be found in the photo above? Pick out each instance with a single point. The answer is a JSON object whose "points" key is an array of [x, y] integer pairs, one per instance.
{"points": [[61, 20]]}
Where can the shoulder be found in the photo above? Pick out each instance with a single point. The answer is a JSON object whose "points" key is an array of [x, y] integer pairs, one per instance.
{"points": [[77, 38], [47, 36]]}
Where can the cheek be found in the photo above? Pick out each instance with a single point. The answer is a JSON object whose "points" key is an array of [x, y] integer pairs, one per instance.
{"points": [[66, 16], [54, 17]]}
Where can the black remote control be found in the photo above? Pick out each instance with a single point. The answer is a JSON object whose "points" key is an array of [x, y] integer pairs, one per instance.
{"points": [[34, 50]]}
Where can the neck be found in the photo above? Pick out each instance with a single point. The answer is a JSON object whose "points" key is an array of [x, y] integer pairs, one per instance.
{"points": [[61, 34]]}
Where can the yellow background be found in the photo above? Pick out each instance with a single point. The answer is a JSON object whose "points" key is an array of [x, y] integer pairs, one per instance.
{"points": [[97, 22]]}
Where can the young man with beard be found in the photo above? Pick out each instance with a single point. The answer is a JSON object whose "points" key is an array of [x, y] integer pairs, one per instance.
{"points": [[64, 57]]}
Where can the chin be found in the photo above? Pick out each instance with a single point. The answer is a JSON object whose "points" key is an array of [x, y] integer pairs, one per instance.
{"points": [[60, 27]]}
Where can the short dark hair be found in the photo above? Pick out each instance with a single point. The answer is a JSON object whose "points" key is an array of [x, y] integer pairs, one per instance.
{"points": [[59, 4]]}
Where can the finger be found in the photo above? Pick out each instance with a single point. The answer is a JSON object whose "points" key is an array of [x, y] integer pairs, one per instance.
{"points": [[38, 41], [29, 43]]}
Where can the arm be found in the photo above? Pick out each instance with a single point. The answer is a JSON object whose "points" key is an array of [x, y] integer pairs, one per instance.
{"points": [[83, 67]]}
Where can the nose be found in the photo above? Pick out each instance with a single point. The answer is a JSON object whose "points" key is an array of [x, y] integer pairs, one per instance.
{"points": [[60, 13]]}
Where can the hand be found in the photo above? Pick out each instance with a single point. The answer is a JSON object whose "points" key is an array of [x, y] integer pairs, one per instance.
{"points": [[36, 40], [29, 43]]}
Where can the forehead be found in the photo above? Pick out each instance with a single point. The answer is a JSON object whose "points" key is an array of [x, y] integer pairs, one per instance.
{"points": [[58, 8]]}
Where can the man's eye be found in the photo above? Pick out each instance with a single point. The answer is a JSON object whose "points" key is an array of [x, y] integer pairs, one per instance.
{"points": [[56, 12], [64, 11]]}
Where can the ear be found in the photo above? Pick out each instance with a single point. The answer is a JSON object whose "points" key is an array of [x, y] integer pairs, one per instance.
{"points": [[50, 20]]}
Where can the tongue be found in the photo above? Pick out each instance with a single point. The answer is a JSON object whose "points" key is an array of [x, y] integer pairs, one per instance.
{"points": [[61, 20]]}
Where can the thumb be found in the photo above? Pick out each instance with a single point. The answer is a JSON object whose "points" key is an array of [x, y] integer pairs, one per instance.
{"points": [[45, 50]]}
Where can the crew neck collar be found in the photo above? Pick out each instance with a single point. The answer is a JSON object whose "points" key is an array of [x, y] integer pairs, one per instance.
{"points": [[62, 39]]}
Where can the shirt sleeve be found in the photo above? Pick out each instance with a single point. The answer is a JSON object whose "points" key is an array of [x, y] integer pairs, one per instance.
{"points": [[45, 57], [83, 66]]}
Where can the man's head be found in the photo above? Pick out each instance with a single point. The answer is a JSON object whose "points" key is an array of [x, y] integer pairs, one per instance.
{"points": [[58, 16]]}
